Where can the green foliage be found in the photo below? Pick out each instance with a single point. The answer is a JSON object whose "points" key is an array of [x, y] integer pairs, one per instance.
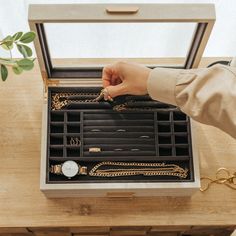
{"points": [[17, 70], [7, 43], [25, 64], [19, 40], [4, 72], [24, 50], [27, 37], [17, 35]]}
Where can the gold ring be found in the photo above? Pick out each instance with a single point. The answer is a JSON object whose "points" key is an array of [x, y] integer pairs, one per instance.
{"points": [[95, 149], [78, 142], [72, 141], [75, 142]]}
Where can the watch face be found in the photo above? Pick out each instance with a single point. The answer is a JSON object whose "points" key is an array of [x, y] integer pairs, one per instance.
{"points": [[70, 169]]}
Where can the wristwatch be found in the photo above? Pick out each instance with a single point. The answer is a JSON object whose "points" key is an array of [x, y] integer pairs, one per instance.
{"points": [[68, 169]]}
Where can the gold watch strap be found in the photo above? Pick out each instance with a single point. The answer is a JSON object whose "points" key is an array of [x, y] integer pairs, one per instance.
{"points": [[83, 170], [56, 169]]}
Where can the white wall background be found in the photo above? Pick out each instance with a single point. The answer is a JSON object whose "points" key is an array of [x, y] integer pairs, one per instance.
{"points": [[13, 18]]}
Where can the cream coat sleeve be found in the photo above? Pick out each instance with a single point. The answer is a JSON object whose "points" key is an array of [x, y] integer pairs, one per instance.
{"points": [[207, 95]]}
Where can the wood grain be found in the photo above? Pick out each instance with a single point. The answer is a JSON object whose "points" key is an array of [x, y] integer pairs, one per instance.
{"points": [[23, 205]]}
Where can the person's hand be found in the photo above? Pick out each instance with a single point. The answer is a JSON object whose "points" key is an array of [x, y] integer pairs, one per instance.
{"points": [[123, 78]]}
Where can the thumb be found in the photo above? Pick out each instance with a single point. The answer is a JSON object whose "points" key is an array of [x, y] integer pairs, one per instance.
{"points": [[116, 90]]}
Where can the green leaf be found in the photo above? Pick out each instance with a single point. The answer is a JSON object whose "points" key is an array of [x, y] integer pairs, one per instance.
{"points": [[7, 43], [6, 47], [28, 37], [25, 64], [4, 72], [24, 50], [17, 36], [8, 40], [17, 70]]}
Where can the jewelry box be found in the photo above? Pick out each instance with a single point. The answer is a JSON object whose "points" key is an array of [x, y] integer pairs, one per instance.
{"points": [[133, 145]]}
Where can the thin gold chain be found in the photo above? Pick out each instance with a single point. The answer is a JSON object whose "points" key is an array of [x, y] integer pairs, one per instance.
{"points": [[125, 107], [222, 176], [161, 169]]}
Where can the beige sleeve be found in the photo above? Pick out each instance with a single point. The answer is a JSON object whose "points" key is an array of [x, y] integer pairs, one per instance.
{"points": [[207, 95]]}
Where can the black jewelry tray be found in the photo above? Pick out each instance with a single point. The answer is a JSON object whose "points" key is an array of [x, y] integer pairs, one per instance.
{"points": [[160, 135]]}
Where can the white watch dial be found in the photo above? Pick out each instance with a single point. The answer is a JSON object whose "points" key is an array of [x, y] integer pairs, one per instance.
{"points": [[70, 169]]}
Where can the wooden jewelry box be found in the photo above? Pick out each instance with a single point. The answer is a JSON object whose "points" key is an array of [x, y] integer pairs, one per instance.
{"points": [[132, 146]]}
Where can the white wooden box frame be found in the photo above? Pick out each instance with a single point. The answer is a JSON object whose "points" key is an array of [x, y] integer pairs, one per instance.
{"points": [[203, 14]]}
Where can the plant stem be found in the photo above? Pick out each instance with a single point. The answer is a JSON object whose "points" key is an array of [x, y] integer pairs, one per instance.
{"points": [[8, 63], [4, 59]]}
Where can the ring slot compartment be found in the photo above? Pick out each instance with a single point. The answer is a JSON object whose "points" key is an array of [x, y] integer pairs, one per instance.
{"points": [[57, 128], [57, 116], [73, 116], [73, 128], [56, 139], [56, 151]]}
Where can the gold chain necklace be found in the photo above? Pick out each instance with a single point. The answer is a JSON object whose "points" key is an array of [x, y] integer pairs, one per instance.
{"points": [[148, 169], [60, 100], [125, 107]]}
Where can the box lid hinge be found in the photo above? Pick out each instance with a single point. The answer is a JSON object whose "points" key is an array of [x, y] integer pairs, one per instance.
{"points": [[47, 83]]}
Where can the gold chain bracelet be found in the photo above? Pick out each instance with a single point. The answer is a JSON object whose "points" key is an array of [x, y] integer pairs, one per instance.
{"points": [[223, 176], [149, 169], [60, 100]]}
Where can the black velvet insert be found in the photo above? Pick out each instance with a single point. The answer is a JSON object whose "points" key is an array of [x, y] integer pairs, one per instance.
{"points": [[159, 135]]}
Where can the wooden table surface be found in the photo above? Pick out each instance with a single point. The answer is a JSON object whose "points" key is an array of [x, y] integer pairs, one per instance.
{"points": [[23, 205]]}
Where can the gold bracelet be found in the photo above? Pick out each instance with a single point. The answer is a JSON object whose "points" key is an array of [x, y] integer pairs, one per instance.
{"points": [[146, 169], [223, 176]]}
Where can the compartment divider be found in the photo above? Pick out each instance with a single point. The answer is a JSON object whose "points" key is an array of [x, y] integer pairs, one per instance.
{"points": [[64, 147], [82, 133], [118, 140], [172, 134], [125, 159], [65, 123], [99, 135], [190, 148], [120, 153], [57, 122], [65, 131], [156, 133]]}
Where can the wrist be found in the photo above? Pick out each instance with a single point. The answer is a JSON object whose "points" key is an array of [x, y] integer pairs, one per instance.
{"points": [[161, 84]]}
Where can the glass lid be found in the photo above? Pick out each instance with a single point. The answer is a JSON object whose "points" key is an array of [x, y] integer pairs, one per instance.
{"points": [[78, 40], [96, 44]]}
